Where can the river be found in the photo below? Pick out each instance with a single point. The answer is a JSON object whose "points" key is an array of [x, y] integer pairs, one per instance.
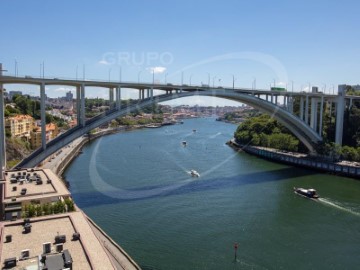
{"points": [[136, 186]]}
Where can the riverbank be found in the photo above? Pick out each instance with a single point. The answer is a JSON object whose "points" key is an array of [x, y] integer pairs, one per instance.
{"points": [[300, 160]]}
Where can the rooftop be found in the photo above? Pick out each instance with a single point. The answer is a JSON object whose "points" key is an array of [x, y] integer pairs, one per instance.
{"points": [[86, 253], [39, 184]]}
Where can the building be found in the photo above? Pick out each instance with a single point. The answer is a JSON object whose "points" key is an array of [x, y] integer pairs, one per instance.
{"points": [[69, 96], [26, 187], [51, 131], [66, 239], [13, 93], [20, 126]]}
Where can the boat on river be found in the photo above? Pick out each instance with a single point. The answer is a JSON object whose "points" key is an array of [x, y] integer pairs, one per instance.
{"points": [[308, 193], [184, 143], [194, 173]]}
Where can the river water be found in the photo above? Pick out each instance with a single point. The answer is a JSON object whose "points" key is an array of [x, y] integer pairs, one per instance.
{"points": [[136, 185]]}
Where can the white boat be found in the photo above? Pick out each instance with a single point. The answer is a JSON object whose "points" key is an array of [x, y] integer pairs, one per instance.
{"points": [[194, 173], [308, 193]]}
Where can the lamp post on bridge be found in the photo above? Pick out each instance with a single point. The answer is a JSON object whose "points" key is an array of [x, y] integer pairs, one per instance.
{"points": [[166, 78], [208, 78], [109, 74], [233, 81], [16, 68], [213, 81], [139, 73], [190, 79]]}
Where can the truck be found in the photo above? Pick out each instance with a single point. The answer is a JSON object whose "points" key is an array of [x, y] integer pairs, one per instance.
{"points": [[281, 89]]}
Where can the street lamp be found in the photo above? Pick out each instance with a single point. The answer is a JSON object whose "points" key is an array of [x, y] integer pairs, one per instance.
{"points": [[84, 72], [254, 84], [214, 81], [77, 66], [166, 77], [120, 73], [190, 79], [233, 76], [153, 72], [208, 78], [16, 68], [109, 74]]}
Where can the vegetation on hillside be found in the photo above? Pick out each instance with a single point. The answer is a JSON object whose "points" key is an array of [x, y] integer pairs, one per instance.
{"points": [[267, 132]]}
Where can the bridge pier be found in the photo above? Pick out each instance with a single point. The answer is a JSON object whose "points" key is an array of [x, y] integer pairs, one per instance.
{"points": [[321, 115], [82, 106], [2, 130], [340, 106], [118, 97], [272, 98], [302, 108], [78, 105], [307, 110], [313, 113], [42, 116], [152, 92], [111, 98]]}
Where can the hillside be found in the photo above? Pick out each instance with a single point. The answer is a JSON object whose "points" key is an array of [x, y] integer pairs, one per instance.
{"points": [[16, 150]]}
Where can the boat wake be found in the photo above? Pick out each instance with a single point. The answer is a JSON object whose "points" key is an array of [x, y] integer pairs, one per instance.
{"points": [[338, 206]]}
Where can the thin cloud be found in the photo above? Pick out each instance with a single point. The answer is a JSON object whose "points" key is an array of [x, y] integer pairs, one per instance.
{"points": [[157, 70], [103, 62]]}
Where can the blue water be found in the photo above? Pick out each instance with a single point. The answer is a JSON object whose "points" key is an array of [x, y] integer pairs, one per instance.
{"points": [[136, 185]]}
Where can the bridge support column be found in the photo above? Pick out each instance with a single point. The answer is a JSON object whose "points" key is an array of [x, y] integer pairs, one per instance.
{"points": [[139, 94], [351, 103], [118, 97], [82, 110], [276, 99], [111, 98], [147, 93], [302, 108], [152, 92], [42, 115], [313, 116], [2, 131], [340, 106], [321, 115], [78, 105], [307, 110], [291, 104], [272, 98]]}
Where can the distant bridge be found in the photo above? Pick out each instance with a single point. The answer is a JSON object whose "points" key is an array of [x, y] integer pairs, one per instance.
{"points": [[307, 126]]}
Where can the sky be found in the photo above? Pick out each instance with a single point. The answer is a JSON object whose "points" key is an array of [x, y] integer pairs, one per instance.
{"points": [[264, 43]]}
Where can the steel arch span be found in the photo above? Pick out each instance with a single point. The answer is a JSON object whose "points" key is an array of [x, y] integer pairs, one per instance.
{"points": [[298, 127]]}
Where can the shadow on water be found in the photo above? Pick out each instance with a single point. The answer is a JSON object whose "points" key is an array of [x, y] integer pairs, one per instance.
{"points": [[95, 198]]}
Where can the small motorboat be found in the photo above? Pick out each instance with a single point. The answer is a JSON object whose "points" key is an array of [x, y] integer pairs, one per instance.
{"points": [[194, 130], [184, 143], [308, 193], [194, 173]]}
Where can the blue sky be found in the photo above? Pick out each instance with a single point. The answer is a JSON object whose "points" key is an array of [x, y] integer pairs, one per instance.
{"points": [[314, 42]]}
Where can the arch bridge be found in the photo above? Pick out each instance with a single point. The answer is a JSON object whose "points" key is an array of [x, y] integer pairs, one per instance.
{"points": [[306, 125]]}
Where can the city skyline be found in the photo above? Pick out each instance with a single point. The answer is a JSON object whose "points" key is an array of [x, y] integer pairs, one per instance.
{"points": [[297, 44]]}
